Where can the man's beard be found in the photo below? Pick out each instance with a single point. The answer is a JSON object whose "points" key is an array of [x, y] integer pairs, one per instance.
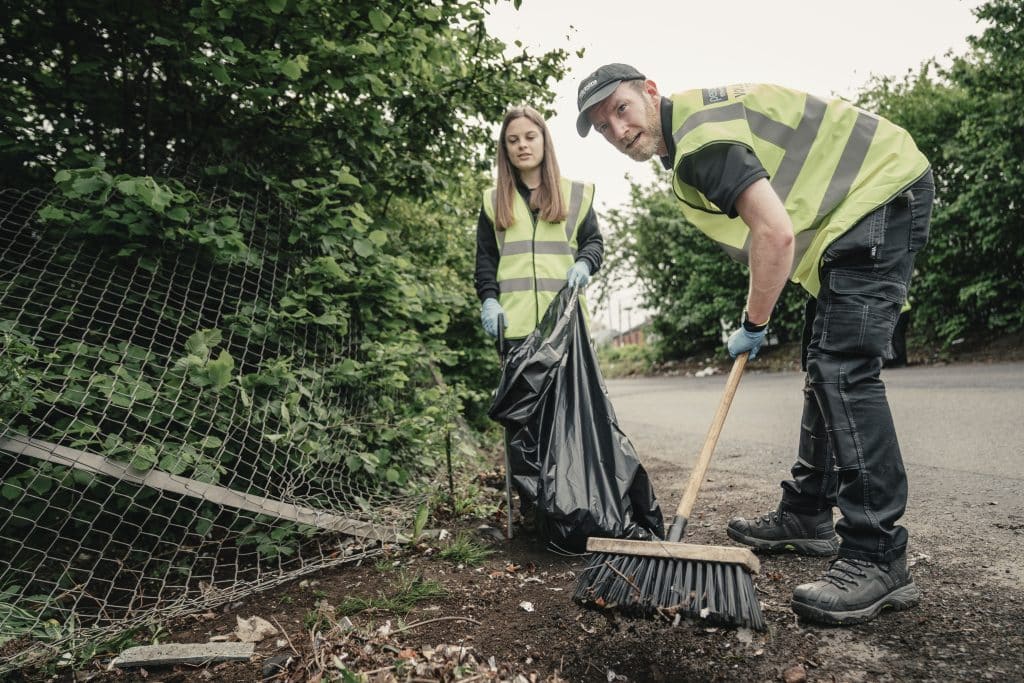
{"points": [[647, 146]]}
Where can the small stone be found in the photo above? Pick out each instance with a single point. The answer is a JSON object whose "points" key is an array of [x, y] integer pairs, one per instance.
{"points": [[795, 674]]}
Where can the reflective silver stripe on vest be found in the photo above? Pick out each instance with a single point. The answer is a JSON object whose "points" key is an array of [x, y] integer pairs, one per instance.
{"points": [[797, 143], [500, 233], [525, 284], [849, 165], [575, 204], [729, 112], [523, 247]]}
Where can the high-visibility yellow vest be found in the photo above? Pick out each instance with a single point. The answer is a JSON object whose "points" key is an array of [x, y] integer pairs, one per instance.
{"points": [[534, 257], [830, 162]]}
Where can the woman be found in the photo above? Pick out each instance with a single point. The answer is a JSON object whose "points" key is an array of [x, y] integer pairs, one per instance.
{"points": [[537, 231]]}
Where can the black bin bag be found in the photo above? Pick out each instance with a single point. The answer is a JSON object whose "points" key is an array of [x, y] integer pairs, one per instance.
{"points": [[565, 447]]}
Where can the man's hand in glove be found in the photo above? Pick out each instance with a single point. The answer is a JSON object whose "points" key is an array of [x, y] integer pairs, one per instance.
{"points": [[741, 340], [578, 275], [489, 313]]}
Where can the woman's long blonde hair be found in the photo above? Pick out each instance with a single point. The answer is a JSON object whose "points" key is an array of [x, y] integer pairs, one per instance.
{"points": [[547, 198]]}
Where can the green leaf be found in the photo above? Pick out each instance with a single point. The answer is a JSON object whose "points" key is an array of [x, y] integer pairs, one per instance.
{"points": [[346, 178], [420, 523], [203, 526], [211, 442], [144, 458], [430, 13], [292, 69], [379, 20], [179, 214], [220, 74], [173, 464], [50, 212], [378, 237], [276, 6], [363, 247], [88, 185], [219, 371]]}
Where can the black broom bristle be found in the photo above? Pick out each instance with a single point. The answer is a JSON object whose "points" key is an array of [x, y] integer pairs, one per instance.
{"points": [[722, 594]]}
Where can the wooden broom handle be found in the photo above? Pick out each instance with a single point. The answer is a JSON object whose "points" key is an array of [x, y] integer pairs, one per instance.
{"points": [[704, 460]]}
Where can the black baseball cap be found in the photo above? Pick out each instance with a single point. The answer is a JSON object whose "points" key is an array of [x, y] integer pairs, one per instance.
{"points": [[598, 86]]}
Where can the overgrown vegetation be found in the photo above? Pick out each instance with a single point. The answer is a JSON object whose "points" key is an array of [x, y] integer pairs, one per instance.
{"points": [[357, 136], [361, 128]]}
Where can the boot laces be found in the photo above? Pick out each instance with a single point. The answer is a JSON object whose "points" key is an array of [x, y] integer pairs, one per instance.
{"points": [[773, 518], [846, 571]]}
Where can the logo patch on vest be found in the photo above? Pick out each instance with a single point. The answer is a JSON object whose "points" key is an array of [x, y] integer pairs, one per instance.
{"points": [[713, 95]]}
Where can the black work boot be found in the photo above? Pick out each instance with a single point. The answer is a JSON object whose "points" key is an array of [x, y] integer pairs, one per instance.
{"points": [[854, 591], [782, 530]]}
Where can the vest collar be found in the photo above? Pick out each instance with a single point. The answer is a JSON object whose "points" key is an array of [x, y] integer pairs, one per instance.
{"points": [[668, 161]]}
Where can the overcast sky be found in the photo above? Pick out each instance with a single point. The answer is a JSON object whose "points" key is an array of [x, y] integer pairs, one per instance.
{"points": [[820, 46]]}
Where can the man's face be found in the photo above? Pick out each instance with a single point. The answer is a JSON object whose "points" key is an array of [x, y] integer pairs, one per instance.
{"points": [[629, 120]]}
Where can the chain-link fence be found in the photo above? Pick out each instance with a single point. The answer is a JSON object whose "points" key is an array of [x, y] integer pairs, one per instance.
{"points": [[153, 457]]}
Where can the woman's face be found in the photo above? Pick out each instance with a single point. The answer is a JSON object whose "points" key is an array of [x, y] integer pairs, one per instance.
{"points": [[524, 143]]}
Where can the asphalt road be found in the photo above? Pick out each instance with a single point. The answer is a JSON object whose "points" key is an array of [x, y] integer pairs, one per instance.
{"points": [[961, 430]]}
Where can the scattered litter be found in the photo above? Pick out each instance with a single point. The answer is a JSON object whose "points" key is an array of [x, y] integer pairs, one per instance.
{"points": [[526, 606], [918, 557], [795, 674], [254, 629]]}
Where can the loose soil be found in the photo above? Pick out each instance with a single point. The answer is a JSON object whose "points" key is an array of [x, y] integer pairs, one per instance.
{"points": [[512, 618]]}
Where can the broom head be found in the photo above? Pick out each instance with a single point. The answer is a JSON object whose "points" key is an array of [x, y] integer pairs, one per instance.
{"points": [[672, 581]]}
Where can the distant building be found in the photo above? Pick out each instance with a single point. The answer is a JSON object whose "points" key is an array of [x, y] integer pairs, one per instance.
{"points": [[634, 336]]}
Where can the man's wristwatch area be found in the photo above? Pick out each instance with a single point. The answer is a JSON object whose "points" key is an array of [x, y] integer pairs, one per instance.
{"points": [[751, 327]]}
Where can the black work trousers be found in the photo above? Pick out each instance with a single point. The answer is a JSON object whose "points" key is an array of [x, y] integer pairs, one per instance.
{"points": [[849, 456]]}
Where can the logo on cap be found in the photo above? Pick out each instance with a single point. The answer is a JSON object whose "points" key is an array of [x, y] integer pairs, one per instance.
{"points": [[587, 87]]}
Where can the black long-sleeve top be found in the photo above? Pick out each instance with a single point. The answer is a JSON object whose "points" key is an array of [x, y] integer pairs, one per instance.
{"points": [[589, 241]]}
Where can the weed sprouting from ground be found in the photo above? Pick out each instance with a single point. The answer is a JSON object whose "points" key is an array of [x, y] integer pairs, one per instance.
{"points": [[408, 592], [464, 550]]}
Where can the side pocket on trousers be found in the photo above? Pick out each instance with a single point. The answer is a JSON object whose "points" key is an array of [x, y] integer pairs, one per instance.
{"points": [[921, 219], [860, 313]]}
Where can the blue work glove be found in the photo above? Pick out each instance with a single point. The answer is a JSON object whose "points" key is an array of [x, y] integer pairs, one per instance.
{"points": [[578, 275], [741, 340], [489, 313]]}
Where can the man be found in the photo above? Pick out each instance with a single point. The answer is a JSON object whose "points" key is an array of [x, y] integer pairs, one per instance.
{"points": [[838, 200]]}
